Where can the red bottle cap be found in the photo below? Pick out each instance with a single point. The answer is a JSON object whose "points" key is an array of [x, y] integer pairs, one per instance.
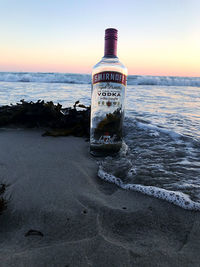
{"points": [[110, 42]]}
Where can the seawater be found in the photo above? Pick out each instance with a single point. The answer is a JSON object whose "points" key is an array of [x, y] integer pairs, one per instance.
{"points": [[161, 152]]}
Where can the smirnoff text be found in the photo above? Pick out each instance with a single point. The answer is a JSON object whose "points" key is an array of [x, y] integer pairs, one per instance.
{"points": [[109, 76]]}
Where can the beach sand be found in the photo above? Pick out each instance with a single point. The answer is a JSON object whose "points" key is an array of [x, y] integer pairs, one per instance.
{"points": [[54, 189]]}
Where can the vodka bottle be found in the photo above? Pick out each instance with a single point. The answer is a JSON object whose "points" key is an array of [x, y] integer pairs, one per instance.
{"points": [[108, 97]]}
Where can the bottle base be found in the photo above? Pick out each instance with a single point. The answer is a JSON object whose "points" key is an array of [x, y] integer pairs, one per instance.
{"points": [[105, 150]]}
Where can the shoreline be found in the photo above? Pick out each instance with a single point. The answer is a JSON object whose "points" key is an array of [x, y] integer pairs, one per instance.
{"points": [[54, 189]]}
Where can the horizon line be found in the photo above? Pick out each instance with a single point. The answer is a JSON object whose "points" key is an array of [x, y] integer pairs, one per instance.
{"points": [[90, 73]]}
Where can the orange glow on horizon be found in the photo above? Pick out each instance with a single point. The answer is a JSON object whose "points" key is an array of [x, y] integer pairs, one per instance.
{"points": [[86, 69], [164, 59]]}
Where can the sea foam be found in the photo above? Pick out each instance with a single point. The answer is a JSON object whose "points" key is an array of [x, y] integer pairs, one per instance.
{"points": [[177, 198]]}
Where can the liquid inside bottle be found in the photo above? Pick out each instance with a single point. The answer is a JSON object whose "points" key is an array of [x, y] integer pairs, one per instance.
{"points": [[108, 96]]}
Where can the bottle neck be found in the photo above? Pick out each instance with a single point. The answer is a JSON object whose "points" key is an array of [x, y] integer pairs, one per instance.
{"points": [[110, 49]]}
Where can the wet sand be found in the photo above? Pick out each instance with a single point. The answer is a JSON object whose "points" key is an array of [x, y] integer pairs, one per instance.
{"points": [[82, 220]]}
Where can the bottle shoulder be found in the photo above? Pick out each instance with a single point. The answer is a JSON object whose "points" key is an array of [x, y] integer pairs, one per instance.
{"points": [[109, 64]]}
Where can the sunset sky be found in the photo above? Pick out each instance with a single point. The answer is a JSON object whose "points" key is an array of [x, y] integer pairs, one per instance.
{"points": [[156, 37]]}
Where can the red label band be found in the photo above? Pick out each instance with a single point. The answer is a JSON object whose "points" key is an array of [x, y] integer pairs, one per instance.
{"points": [[109, 76]]}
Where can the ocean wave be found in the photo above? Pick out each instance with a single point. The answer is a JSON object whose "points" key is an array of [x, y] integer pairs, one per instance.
{"points": [[164, 80], [177, 198], [156, 161], [41, 77]]}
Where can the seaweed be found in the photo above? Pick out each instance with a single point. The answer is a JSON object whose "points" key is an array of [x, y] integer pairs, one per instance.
{"points": [[59, 121], [33, 232], [111, 124]]}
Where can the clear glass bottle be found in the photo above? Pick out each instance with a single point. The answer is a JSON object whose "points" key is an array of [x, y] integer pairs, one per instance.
{"points": [[108, 100]]}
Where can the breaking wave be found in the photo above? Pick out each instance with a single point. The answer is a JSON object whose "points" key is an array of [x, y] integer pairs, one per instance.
{"points": [[41, 77]]}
